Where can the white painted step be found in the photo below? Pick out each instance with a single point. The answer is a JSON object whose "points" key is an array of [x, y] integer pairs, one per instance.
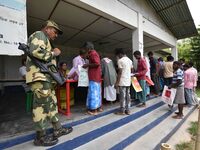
{"points": [[86, 127], [154, 136], [115, 136]]}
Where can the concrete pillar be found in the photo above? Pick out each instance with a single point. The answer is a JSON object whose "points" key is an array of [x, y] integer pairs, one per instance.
{"points": [[137, 38], [175, 53]]}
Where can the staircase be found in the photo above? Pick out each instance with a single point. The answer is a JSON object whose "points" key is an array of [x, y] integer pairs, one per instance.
{"points": [[144, 129]]}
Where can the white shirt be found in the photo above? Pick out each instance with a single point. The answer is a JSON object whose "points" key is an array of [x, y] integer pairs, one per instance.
{"points": [[22, 71], [125, 64], [77, 61], [148, 67]]}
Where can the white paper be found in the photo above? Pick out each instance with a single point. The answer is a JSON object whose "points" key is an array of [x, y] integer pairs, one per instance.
{"points": [[83, 80]]}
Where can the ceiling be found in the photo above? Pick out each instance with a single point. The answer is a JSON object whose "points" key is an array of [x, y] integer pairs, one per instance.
{"points": [[176, 15], [80, 25]]}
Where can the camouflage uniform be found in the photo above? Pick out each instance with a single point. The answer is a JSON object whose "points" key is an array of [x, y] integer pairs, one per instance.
{"points": [[42, 85]]}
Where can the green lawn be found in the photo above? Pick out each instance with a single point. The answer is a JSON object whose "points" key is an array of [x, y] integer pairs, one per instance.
{"points": [[198, 91], [193, 128], [184, 146], [191, 144], [193, 132]]}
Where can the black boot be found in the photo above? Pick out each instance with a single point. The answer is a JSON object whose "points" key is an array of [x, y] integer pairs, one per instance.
{"points": [[62, 131], [59, 130], [44, 140]]}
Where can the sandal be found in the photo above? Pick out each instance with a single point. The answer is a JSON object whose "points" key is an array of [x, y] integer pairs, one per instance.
{"points": [[177, 113], [141, 105], [91, 113], [119, 113], [177, 117], [100, 110]]}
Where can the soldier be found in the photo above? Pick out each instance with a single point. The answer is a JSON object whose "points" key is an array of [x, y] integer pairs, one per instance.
{"points": [[43, 86]]}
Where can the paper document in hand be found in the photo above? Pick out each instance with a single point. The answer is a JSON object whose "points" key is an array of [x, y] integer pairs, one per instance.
{"points": [[83, 80], [136, 84], [149, 81]]}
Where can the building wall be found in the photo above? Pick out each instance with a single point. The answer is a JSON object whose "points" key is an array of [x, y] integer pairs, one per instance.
{"points": [[10, 64], [126, 12], [145, 9]]}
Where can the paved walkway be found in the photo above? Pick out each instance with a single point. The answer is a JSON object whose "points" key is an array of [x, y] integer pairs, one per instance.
{"points": [[144, 129], [182, 135]]}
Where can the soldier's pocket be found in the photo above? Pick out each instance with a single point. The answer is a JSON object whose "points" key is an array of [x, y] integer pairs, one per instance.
{"points": [[42, 96]]}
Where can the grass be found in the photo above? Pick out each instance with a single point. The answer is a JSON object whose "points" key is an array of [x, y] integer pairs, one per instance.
{"points": [[193, 128], [184, 146], [198, 91]]}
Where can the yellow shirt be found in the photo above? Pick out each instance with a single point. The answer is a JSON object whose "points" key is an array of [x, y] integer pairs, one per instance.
{"points": [[168, 69]]}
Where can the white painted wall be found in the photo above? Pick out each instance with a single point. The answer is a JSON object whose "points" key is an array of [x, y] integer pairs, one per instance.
{"points": [[125, 12], [10, 64], [111, 9], [146, 10]]}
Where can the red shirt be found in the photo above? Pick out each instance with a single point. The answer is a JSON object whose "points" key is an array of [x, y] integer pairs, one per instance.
{"points": [[141, 69], [94, 73]]}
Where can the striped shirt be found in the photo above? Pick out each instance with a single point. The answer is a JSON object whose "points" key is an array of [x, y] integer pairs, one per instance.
{"points": [[178, 74]]}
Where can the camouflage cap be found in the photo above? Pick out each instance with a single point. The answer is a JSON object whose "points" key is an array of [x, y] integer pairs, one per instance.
{"points": [[50, 23]]}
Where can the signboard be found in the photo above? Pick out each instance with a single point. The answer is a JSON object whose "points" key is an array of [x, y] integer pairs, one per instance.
{"points": [[13, 26]]}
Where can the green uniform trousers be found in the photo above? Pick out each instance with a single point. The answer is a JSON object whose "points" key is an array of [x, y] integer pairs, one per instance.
{"points": [[44, 104]]}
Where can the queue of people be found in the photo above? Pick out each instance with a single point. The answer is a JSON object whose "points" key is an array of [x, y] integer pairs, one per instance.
{"points": [[115, 79]]}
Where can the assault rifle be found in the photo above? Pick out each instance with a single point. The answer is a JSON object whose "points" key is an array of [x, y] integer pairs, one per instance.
{"points": [[48, 68]]}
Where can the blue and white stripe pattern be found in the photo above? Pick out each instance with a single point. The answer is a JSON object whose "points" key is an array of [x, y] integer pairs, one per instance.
{"points": [[110, 131], [179, 74]]}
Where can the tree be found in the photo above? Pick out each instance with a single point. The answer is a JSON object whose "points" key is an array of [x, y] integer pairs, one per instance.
{"points": [[184, 49], [189, 49], [195, 49]]}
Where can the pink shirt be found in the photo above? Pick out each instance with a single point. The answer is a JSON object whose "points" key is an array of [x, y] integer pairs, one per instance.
{"points": [[190, 78]]}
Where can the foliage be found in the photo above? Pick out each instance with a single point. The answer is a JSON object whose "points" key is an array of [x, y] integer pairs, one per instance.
{"points": [[184, 146], [184, 49], [195, 52], [191, 144], [198, 92], [193, 128], [189, 49]]}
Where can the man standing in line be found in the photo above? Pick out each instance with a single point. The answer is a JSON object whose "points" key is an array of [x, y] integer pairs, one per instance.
{"points": [[80, 93], [109, 77], [141, 75], [168, 70], [190, 83], [94, 73], [154, 69], [125, 67], [43, 86]]}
